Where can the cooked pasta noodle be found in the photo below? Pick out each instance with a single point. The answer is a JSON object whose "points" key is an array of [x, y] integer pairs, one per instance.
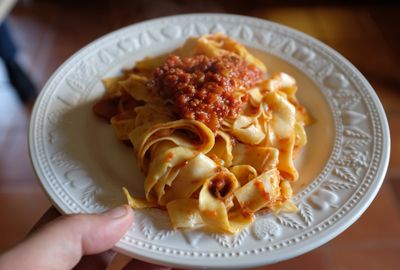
{"points": [[214, 136]]}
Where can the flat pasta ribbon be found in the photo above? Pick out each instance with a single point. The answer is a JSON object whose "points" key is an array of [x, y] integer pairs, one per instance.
{"points": [[215, 139]]}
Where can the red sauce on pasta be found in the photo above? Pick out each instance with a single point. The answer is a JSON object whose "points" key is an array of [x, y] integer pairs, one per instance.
{"points": [[220, 185], [246, 213], [206, 88], [261, 188], [169, 157]]}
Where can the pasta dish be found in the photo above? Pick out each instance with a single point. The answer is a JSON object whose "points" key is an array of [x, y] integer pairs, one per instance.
{"points": [[214, 134]]}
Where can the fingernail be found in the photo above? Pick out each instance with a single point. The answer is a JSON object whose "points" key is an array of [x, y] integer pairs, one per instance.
{"points": [[117, 212]]}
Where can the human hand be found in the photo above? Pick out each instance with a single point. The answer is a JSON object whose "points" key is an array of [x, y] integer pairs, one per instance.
{"points": [[65, 242]]}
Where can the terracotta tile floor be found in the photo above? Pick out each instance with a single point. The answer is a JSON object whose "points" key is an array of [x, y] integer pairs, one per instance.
{"points": [[368, 36]]}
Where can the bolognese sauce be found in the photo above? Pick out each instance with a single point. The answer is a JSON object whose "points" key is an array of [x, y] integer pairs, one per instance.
{"points": [[220, 185], [206, 88]]}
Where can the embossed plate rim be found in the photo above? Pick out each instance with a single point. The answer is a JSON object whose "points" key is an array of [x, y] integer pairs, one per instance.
{"points": [[158, 253]]}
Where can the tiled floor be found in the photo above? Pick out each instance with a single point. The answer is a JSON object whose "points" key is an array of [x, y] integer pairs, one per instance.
{"points": [[368, 36]]}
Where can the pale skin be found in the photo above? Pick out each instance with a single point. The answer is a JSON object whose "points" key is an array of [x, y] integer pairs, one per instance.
{"points": [[73, 242]]}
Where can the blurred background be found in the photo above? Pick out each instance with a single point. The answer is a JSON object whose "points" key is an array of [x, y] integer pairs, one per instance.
{"points": [[36, 36]]}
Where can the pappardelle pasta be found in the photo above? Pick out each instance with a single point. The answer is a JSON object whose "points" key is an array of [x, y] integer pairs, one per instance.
{"points": [[214, 135]]}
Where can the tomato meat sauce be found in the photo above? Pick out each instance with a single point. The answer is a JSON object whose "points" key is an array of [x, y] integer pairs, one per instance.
{"points": [[220, 185], [206, 88]]}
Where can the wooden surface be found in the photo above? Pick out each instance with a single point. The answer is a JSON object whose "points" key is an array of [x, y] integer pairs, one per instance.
{"points": [[48, 32]]}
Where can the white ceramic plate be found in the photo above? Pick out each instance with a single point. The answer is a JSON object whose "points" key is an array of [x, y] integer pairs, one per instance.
{"points": [[82, 166]]}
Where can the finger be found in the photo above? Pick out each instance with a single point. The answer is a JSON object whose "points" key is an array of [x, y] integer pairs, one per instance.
{"points": [[136, 264], [98, 261], [61, 243], [51, 214]]}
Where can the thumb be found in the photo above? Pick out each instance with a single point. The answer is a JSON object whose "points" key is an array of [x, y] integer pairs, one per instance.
{"points": [[61, 243]]}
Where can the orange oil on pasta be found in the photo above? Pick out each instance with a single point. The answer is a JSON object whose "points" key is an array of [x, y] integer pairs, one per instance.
{"points": [[260, 186]]}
